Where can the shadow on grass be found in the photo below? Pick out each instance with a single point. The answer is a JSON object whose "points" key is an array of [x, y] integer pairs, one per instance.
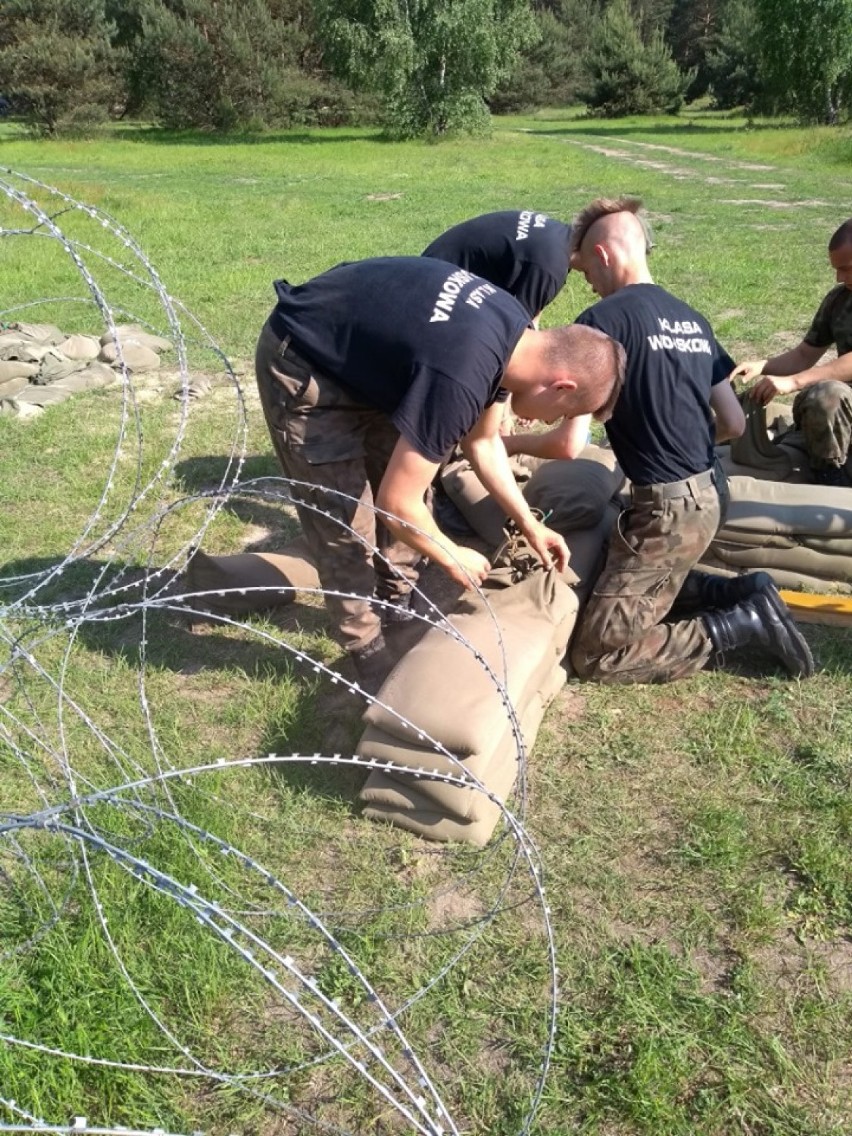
{"points": [[205, 474], [609, 128], [160, 136], [314, 714]]}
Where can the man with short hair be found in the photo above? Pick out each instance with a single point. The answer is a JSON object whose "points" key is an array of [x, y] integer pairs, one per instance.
{"points": [[676, 403], [369, 374], [822, 409]]}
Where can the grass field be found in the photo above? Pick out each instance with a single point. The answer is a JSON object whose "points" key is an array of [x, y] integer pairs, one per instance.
{"points": [[219, 943]]}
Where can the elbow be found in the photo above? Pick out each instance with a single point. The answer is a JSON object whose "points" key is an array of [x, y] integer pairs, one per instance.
{"points": [[734, 428], [565, 451], [386, 502]]}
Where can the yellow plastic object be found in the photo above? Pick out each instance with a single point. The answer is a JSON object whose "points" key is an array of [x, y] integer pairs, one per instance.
{"points": [[809, 607]]}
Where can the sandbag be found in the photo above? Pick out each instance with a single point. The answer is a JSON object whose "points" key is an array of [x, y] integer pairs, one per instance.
{"points": [[388, 800], [41, 396], [781, 508], [427, 763], [135, 356], [440, 685], [473, 501], [755, 447], [800, 474], [83, 347], [93, 376], [784, 578], [38, 332], [574, 493], [133, 333], [251, 581], [9, 387], [56, 367], [800, 533], [797, 561], [17, 369]]}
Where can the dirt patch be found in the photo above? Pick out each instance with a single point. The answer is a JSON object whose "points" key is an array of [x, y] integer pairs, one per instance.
{"points": [[770, 204], [454, 908]]}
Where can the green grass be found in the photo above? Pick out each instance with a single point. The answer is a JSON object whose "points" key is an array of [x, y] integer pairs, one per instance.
{"points": [[694, 838]]}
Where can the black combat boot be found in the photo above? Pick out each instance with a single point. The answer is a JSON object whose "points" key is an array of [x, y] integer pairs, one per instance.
{"points": [[373, 664], [396, 610], [703, 590], [761, 621]]}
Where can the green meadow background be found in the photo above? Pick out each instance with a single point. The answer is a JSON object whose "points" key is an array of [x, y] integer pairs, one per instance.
{"points": [[694, 839]]}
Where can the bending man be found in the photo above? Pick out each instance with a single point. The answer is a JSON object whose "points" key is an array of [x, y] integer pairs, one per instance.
{"points": [[369, 374]]}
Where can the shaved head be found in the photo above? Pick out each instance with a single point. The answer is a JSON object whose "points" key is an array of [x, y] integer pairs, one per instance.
{"points": [[610, 243], [597, 214]]}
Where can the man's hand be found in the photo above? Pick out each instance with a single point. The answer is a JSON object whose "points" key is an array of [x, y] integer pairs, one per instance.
{"points": [[549, 546], [770, 386], [748, 370], [469, 567]]}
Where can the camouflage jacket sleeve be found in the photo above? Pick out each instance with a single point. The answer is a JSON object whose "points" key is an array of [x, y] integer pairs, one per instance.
{"points": [[832, 323]]}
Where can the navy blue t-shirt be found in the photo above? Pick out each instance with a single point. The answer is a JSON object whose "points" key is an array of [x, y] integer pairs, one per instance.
{"points": [[523, 252], [662, 428], [424, 341]]}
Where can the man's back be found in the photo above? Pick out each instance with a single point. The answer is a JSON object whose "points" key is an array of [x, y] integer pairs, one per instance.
{"points": [[419, 339], [524, 252], [662, 427]]}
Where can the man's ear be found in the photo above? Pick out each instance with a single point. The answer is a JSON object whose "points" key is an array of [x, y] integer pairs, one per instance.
{"points": [[566, 383], [602, 253]]}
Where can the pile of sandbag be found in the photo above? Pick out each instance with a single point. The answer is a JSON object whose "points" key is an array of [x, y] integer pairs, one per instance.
{"points": [[778, 519], [444, 735], [41, 365], [801, 534]]}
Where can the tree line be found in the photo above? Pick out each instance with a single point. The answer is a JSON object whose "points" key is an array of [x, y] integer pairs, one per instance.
{"points": [[420, 67]]}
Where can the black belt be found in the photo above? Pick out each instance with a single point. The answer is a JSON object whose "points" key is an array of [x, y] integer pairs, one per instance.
{"points": [[673, 489]]}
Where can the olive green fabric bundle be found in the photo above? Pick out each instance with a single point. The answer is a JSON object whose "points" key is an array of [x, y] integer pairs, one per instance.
{"points": [[801, 534], [250, 581], [411, 804]]}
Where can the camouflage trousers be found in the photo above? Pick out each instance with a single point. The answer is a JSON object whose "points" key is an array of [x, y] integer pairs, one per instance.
{"points": [[339, 449], [823, 413], [622, 636]]}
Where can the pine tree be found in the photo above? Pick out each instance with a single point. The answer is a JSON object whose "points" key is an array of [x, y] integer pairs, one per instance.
{"points": [[692, 26], [626, 76], [548, 72], [733, 58], [57, 61], [229, 64]]}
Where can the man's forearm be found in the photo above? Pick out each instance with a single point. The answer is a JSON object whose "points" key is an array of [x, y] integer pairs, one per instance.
{"points": [[490, 463], [838, 370], [415, 525], [800, 358]]}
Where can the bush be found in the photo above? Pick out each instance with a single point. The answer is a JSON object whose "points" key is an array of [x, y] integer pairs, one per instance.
{"points": [[86, 121]]}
